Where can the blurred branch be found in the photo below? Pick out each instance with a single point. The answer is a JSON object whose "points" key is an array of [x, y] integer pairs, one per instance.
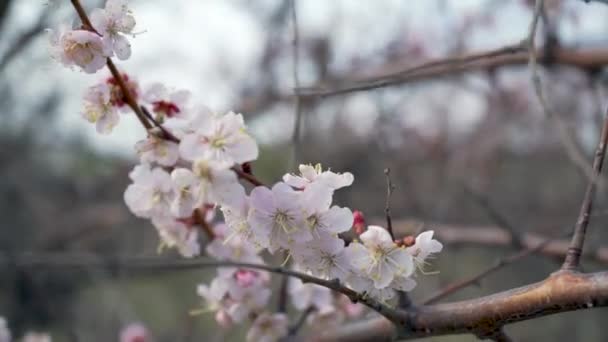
{"points": [[120, 264], [459, 285], [495, 215], [395, 74], [566, 137], [24, 39]]}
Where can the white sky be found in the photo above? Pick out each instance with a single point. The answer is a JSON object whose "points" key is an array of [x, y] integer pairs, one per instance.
{"points": [[210, 46]]}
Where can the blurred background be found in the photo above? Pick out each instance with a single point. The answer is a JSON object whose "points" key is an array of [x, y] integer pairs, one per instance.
{"points": [[472, 155]]}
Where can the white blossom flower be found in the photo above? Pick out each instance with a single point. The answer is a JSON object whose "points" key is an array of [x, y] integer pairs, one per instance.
{"points": [[322, 220], [379, 257], [113, 21], [166, 104], [186, 196], [99, 110], [31, 336], [216, 184], [325, 258], [236, 217], [79, 47], [424, 247], [134, 332], [5, 333], [304, 296], [276, 217], [227, 246], [248, 293], [151, 192], [314, 174], [176, 234], [222, 139], [155, 149], [268, 328], [363, 284]]}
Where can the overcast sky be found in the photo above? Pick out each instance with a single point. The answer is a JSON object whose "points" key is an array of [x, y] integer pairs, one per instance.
{"points": [[210, 46]]}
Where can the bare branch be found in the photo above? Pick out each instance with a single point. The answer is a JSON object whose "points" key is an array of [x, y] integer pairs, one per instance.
{"points": [[578, 239], [387, 209], [495, 215], [459, 285], [484, 317]]}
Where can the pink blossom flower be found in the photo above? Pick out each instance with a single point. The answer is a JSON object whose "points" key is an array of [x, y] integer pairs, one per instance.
{"points": [[134, 332], [314, 174], [268, 328], [112, 22], [176, 234], [79, 47], [165, 103], [276, 217], [151, 192], [221, 139], [98, 109], [155, 149], [379, 257]]}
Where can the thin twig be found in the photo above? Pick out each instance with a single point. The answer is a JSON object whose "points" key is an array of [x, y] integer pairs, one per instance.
{"points": [[566, 138], [67, 261], [387, 209], [293, 331], [495, 215], [166, 134], [575, 250], [404, 75], [295, 139], [459, 285]]}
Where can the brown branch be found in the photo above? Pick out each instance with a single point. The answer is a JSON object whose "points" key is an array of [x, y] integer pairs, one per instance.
{"points": [[578, 239], [395, 74], [492, 236], [495, 215], [566, 137], [459, 285], [387, 208], [484, 317], [129, 99]]}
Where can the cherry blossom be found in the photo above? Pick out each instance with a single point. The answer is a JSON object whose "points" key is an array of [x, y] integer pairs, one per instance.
{"points": [[36, 337], [79, 47], [216, 184], [222, 139], [185, 187], [380, 258], [151, 192], [322, 220], [268, 328], [176, 234], [304, 296], [165, 103], [276, 217], [314, 174], [134, 332], [113, 21], [155, 149], [228, 246], [118, 99], [424, 247], [98, 109], [5, 333], [325, 258]]}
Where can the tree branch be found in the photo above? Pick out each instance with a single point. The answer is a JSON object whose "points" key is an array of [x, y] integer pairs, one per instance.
{"points": [[578, 239], [484, 317]]}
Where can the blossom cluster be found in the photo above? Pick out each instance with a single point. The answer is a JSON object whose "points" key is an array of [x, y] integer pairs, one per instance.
{"points": [[190, 164], [30, 336]]}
